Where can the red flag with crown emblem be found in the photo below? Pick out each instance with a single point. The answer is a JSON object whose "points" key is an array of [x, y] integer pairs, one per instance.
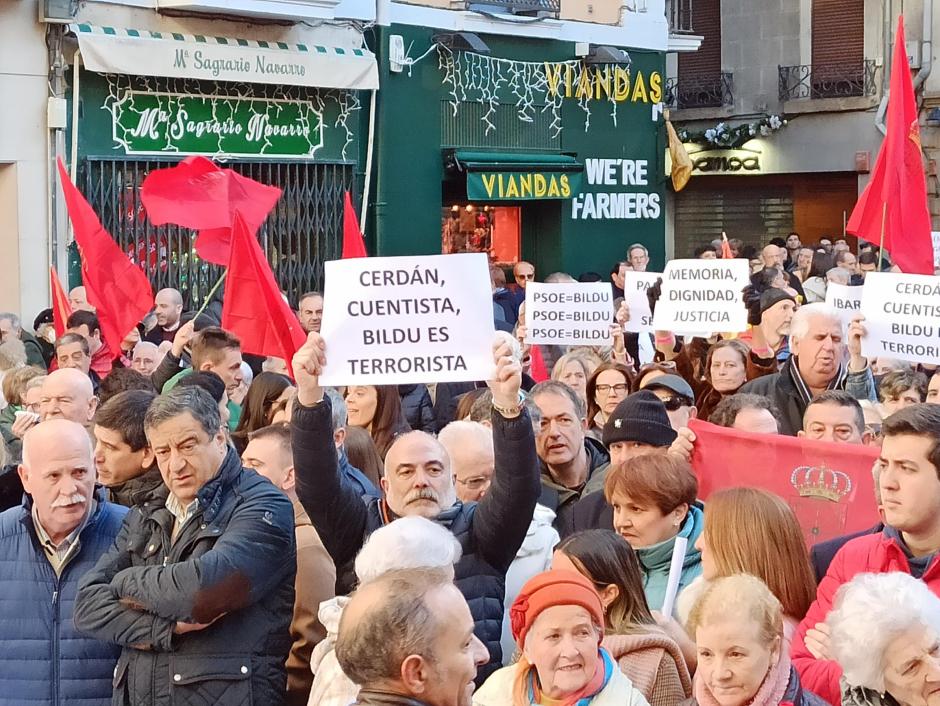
{"points": [[828, 485]]}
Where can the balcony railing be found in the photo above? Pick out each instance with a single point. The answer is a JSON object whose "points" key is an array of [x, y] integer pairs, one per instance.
{"points": [[709, 91], [546, 8], [853, 79], [679, 13]]}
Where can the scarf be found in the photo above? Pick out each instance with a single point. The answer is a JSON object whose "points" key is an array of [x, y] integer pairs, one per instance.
{"points": [[586, 695], [770, 693], [837, 382]]}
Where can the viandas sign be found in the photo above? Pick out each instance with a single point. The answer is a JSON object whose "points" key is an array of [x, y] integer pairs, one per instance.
{"points": [[522, 186], [157, 123]]}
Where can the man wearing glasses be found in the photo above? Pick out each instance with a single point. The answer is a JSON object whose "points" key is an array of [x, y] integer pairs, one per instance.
{"points": [[677, 396]]}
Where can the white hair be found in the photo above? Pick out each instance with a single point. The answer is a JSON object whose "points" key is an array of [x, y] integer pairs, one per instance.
{"points": [[462, 433], [839, 275], [406, 543], [799, 326], [870, 613], [247, 374], [560, 278]]}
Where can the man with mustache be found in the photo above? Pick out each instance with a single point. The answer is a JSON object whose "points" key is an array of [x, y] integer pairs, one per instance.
{"points": [[46, 546], [418, 481]]}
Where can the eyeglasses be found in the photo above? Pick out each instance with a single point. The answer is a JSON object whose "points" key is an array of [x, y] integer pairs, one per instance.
{"points": [[525, 276], [676, 402], [619, 388], [476, 483]]}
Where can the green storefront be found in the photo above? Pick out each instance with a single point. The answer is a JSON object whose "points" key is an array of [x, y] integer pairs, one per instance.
{"points": [[526, 152], [275, 128]]}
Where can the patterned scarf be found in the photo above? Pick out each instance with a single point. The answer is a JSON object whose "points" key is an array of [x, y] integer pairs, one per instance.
{"points": [[837, 383], [584, 696]]}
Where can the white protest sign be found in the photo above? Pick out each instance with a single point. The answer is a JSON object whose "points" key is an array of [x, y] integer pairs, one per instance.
{"points": [[902, 316], [703, 295], [935, 237], [844, 299], [394, 320], [569, 314], [635, 285]]}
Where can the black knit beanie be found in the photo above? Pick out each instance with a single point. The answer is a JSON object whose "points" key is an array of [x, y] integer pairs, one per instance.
{"points": [[640, 417], [774, 296]]}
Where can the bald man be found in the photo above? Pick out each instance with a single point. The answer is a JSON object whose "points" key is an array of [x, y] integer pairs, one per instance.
{"points": [[46, 546], [168, 307], [774, 256], [78, 299], [68, 394]]}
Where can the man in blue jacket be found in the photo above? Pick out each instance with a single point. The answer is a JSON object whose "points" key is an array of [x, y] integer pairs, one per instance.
{"points": [[46, 546]]}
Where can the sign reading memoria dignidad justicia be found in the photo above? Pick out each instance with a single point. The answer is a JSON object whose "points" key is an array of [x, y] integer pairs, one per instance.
{"points": [[398, 320], [703, 296], [902, 317], [569, 313], [158, 123]]}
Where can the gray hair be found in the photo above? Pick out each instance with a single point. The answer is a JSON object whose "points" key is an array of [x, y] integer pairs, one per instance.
{"points": [[13, 319], [34, 382], [799, 326], [12, 354], [559, 278], [461, 433], [838, 275], [338, 405], [554, 387], [639, 246], [870, 613], [407, 543], [181, 400]]}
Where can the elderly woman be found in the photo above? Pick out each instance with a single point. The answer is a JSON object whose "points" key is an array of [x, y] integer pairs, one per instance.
{"points": [[607, 388], [885, 634], [738, 629], [558, 624]]}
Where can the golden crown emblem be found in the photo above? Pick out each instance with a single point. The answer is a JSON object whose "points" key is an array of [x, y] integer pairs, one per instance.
{"points": [[821, 482]]}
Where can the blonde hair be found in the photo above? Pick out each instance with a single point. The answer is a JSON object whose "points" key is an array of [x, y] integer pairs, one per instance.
{"points": [[16, 382], [752, 531], [586, 362], [736, 597]]}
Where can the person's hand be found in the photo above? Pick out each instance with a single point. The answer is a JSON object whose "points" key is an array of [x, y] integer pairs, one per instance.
{"points": [[308, 363], [183, 628], [23, 423], [182, 338], [855, 333], [616, 338], [678, 634], [623, 314], [684, 444], [817, 641], [508, 379]]}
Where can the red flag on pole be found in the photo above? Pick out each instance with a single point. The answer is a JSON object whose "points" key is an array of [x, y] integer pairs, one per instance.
{"points": [[253, 308], [895, 199], [828, 485], [61, 309], [353, 244], [726, 253], [197, 194], [118, 289]]}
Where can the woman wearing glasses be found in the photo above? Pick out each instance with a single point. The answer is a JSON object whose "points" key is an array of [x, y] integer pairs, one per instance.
{"points": [[606, 388]]}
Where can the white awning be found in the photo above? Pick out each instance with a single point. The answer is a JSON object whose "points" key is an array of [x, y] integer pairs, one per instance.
{"points": [[140, 52]]}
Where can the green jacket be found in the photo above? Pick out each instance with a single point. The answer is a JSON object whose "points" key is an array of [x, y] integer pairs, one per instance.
{"points": [[656, 559]]}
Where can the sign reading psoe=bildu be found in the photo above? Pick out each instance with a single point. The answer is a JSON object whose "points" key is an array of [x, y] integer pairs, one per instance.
{"points": [[902, 317], [703, 295], [399, 320], [569, 313]]}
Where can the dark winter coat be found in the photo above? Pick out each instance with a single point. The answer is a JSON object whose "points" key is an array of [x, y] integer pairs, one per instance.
{"points": [[490, 532], [44, 660], [139, 490], [563, 500], [34, 352], [232, 565], [417, 407]]}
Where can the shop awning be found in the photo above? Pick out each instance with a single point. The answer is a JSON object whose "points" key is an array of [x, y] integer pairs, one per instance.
{"points": [[140, 52], [516, 176]]}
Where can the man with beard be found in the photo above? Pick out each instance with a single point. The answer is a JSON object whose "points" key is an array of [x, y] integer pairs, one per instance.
{"points": [[168, 307]]}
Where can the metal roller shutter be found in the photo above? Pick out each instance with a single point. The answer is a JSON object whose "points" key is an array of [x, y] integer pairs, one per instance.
{"points": [[838, 32]]}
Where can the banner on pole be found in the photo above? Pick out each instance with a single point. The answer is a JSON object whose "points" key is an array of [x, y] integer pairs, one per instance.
{"points": [[396, 320]]}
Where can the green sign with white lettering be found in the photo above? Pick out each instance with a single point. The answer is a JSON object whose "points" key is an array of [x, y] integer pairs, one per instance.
{"points": [[160, 123]]}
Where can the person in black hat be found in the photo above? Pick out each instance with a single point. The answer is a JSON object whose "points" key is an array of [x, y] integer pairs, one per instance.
{"points": [[770, 317], [639, 425], [677, 397]]}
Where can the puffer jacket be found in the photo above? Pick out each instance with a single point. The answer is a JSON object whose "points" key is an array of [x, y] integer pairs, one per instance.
{"points": [[872, 553], [44, 660], [490, 532], [232, 565], [417, 407]]}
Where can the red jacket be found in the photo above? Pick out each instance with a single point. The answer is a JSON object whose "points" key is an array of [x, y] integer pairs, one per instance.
{"points": [[874, 553]]}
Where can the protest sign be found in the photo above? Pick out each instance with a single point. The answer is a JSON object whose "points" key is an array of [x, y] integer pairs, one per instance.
{"points": [[902, 317], [935, 237], [395, 320], [703, 295], [829, 485], [844, 299], [569, 314], [635, 285]]}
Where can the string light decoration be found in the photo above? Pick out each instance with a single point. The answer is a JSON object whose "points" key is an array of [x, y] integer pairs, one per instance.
{"points": [[493, 81]]}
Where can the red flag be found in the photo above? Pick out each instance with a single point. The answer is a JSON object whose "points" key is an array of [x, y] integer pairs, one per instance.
{"points": [[726, 253], [198, 194], [118, 289], [61, 309], [897, 192], [828, 485], [253, 308], [353, 244]]}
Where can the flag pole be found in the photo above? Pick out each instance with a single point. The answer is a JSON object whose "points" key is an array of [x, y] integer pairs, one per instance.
{"points": [[208, 298], [881, 246]]}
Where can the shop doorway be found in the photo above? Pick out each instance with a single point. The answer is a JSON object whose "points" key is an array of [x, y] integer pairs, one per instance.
{"points": [[492, 229]]}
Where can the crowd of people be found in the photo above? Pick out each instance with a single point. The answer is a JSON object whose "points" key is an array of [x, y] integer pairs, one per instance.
{"points": [[188, 524]]}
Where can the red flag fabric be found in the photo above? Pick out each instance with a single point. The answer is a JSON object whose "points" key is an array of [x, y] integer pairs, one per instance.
{"points": [[897, 192], [828, 485], [353, 244], [253, 308], [61, 309], [118, 289], [726, 253], [197, 194]]}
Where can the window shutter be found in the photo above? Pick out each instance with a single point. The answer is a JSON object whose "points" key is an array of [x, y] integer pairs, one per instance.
{"points": [[706, 21], [838, 33]]}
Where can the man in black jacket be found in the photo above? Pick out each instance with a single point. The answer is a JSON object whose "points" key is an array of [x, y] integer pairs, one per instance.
{"points": [[198, 588], [418, 481]]}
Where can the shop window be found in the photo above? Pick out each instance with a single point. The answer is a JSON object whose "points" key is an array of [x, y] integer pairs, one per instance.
{"points": [[494, 230]]}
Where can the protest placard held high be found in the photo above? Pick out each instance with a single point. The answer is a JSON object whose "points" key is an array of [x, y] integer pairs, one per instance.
{"points": [[569, 313], [703, 296], [902, 317]]}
